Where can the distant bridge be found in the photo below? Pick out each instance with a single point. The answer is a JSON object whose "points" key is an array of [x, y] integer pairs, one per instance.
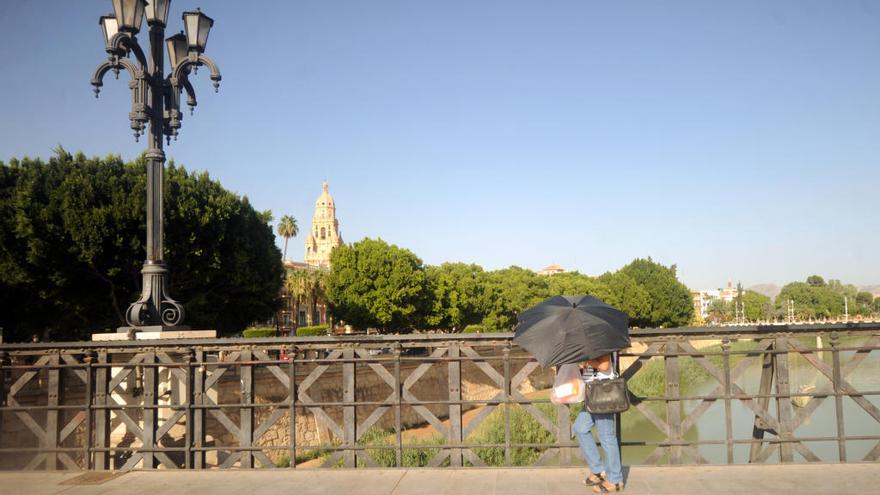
{"points": [[245, 403]]}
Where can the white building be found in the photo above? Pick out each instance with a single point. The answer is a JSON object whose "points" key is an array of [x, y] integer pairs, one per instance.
{"points": [[703, 298]]}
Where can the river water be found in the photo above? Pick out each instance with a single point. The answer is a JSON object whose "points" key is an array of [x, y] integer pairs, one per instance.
{"points": [[821, 423]]}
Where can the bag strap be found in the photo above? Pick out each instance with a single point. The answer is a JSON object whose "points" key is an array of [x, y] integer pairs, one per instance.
{"points": [[615, 368]]}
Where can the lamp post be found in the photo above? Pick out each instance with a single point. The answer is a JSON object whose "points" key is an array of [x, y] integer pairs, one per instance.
{"points": [[155, 100]]}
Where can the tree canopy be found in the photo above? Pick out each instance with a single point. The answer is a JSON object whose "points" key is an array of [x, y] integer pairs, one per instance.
{"points": [[810, 301], [374, 284], [459, 295], [757, 306], [815, 300], [72, 232], [670, 300]]}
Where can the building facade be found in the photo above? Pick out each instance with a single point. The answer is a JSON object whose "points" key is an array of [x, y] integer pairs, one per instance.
{"points": [[551, 270], [305, 301], [324, 234], [703, 298]]}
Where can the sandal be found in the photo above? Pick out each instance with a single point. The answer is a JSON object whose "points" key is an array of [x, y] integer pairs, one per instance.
{"points": [[590, 482], [601, 488]]}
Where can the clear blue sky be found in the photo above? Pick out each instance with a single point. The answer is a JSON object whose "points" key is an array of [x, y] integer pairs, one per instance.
{"points": [[737, 139]]}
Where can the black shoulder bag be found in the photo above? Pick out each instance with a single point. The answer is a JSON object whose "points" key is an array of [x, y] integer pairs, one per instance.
{"points": [[607, 396]]}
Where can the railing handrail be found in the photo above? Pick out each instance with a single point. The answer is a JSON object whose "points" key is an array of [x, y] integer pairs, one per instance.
{"points": [[708, 332]]}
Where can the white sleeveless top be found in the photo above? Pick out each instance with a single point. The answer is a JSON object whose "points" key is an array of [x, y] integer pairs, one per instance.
{"points": [[589, 374]]}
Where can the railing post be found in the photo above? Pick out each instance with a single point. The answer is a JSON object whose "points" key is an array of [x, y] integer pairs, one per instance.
{"points": [[505, 353], [89, 360], [151, 423], [246, 438], [783, 401], [291, 411], [349, 417], [673, 406], [455, 431], [618, 430], [189, 359], [760, 426], [198, 400], [398, 386], [728, 416], [102, 415], [53, 393], [4, 361], [838, 399], [563, 422]]}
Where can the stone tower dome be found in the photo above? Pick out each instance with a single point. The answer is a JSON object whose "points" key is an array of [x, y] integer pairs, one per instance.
{"points": [[324, 234]]}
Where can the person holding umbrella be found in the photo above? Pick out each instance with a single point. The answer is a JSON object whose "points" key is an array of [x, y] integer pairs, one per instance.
{"points": [[581, 329], [612, 480]]}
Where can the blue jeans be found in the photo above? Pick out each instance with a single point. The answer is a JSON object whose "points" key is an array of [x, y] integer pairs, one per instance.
{"points": [[583, 427]]}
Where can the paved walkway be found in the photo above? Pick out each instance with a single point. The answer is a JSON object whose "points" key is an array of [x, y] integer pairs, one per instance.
{"points": [[823, 479]]}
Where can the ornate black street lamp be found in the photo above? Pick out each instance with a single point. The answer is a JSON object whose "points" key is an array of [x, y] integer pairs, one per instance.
{"points": [[155, 99]]}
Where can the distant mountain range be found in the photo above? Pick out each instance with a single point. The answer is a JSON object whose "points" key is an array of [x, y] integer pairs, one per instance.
{"points": [[772, 290]]}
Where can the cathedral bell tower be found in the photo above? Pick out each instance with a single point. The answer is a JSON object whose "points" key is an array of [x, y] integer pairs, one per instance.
{"points": [[324, 234]]}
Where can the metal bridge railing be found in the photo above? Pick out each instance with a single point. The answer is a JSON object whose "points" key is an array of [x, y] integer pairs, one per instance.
{"points": [[418, 400]]}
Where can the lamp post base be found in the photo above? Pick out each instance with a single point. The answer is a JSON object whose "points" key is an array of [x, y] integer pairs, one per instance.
{"points": [[155, 308]]}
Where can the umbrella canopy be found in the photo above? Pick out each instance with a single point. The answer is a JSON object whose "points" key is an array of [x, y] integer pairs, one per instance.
{"points": [[571, 329]]}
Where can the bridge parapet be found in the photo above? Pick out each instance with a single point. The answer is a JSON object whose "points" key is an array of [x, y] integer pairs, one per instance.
{"points": [[427, 400]]}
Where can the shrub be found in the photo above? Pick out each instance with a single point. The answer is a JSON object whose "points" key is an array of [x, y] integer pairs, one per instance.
{"points": [[410, 456], [523, 429], [254, 333], [312, 331]]}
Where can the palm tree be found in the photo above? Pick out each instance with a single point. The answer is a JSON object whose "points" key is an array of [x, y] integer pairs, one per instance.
{"points": [[316, 292], [287, 228], [297, 290]]}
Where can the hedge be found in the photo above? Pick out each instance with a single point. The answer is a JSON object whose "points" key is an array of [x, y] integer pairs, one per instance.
{"points": [[253, 333], [312, 331]]}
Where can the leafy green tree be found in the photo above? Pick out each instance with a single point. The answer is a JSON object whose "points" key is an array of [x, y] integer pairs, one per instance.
{"points": [[720, 311], [458, 294], [287, 228], [623, 292], [671, 304], [756, 306], [573, 284], [512, 290], [374, 284], [849, 291], [864, 300], [72, 247], [815, 281], [811, 301]]}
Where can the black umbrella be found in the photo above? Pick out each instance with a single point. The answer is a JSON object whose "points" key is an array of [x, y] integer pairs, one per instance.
{"points": [[571, 329]]}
